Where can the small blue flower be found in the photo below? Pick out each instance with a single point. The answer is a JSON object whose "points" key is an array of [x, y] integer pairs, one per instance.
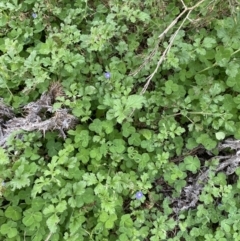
{"points": [[107, 75], [34, 15], [139, 195], [3, 184]]}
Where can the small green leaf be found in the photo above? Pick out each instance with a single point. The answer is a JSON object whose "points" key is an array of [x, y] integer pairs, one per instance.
{"points": [[83, 138], [49, 209], [3, 157], [90, 179], [223, 55], [52, 222], [109, 224], [103, 217], [220, 135], [146, 133], [117, 146], [96, 126], [90, 90], [232, 69], [134, 139], [226, 226], [127, 129], [206, 141], [79, 188], [62, 206], [134, 102], [170, 87], [192, 163], [208, 42], [126, 221], [108, 126], [83, 155], [9, 229], [230, 126], [13, 213], [32, 217], [46, 48], [38, 203]]}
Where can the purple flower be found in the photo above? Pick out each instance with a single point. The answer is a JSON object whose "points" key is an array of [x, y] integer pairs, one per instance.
{"points": [[34, 15], [107, 75], [139, 195]]}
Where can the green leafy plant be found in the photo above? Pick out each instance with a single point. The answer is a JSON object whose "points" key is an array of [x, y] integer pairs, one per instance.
{"points": [[154, 87]]}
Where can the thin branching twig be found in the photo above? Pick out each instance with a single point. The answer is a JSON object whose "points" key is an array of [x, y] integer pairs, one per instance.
{"points": [[49, 236], [187, 10]]}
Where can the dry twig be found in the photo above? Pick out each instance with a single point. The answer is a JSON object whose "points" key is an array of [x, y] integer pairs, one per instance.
{"points": [[187, 10], [40, 116], [190, 194]]}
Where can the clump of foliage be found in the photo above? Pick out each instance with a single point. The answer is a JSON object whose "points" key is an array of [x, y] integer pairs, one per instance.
{"points": [[154, 86]]}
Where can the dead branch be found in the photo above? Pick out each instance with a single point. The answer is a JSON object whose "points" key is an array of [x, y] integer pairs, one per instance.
{"points": [[39, 116], [190, 194]]}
